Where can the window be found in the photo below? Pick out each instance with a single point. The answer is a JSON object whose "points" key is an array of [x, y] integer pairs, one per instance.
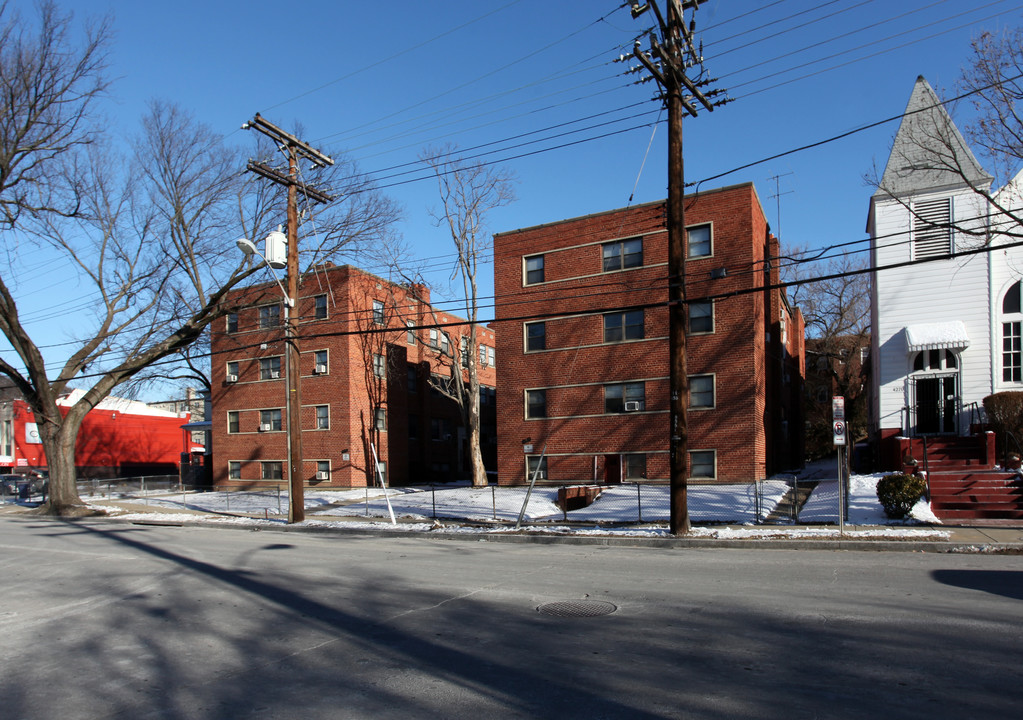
{"points": [[445, 343], [379, 366], [538, 465], [232, 422], [536, 403], [635, 467], [320, 307], [232, 368], [624, 397], [378, 312], [536, 336], [491, 357], [1012, 347], [700, 241], [410, 333], [269, 368], [623, 326], [320, 362], [701, 317], [269, 316], [323, 469], [380, 419], [234, 470], [322, 417], [483, 355], [622, 255], [534, 269], [270, 419], [413, 427], [935, 360], [440, 429], [463, 351], [272, 470], [488, 395], [701, 391], [232, 322], [433, 338], [382, 472], [932, 230], [702, 464], [413, 380]]}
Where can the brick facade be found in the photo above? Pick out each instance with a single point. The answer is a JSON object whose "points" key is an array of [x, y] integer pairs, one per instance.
{"points": [[748, 366], [356, 359]]}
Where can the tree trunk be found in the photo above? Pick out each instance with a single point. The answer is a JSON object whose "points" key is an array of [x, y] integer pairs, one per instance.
{"points": [[479, 472], [58, 437]]}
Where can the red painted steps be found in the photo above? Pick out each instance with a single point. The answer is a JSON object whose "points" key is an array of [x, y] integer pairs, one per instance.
{"points": [[987, 494]]}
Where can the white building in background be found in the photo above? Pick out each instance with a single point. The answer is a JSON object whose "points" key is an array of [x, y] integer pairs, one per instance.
{"points": [[946, 333]]}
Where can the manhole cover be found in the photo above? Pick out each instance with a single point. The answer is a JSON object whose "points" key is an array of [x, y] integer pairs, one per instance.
{"points": [[577, 608]]}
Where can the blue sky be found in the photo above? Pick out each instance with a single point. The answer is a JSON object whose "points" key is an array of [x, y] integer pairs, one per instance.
{"points": [[381, 81]]}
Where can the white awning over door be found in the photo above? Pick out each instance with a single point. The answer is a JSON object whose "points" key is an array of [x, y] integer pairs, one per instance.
{"points": [[949, 335]]}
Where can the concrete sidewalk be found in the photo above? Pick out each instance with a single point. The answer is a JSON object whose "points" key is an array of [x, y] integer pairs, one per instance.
{"points": [[989, 537]]}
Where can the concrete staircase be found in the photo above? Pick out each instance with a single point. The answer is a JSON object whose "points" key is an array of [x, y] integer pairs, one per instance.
{"points": [[964, 483]]}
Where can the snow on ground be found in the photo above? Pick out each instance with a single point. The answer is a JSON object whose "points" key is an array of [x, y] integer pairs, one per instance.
{"points": [[455, 505]]}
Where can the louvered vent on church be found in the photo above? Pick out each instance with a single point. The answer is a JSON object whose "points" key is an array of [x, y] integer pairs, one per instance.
{"points": [[932, 231]]}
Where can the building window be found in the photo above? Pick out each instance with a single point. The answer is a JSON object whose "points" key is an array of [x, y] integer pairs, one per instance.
{"points": [[491, 356], [624, 397], [536, 465], [622, 254], [700, 241], [702, 464], [320, 362], [623, 326], [932, 228], [701, 391], [1012, 349], [534, 269], [322, 417], [635, 466], [382, 472], [232, 322], [536, 336], [413, 380], [701, 317], [410, 333], [488, 395], [270, 420], [232, 369], [233, 422], [440, 429], [433, 338], [379, 366], [536, 403], [269, 316], [320, 307], [463, 351], [445, 343], [413, 426], [323, 469], [272, 470], [269, 368], [378, 312], [380, 419], [936, 360], [234, 470]]}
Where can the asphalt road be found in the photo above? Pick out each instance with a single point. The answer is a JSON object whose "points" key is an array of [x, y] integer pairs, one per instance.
{"points": [[100, 620]]}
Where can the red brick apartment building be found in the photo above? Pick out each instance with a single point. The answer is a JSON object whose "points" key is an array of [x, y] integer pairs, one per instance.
{"points": [[368, 349], [582, 330]]}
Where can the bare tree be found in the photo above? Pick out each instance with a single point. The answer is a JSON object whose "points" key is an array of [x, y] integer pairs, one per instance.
{"points": [[837, 315], [468, 193], [150, 233]]}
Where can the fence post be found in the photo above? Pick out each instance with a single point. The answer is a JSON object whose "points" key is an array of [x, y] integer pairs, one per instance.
{"points": [[493, 500], [564, 508], [367, 499], [227, 496], [639, 504], [279, 511], [795, 499], [433, 500]]}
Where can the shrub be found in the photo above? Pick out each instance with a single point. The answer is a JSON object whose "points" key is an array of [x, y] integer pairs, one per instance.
{"points": [[1005, 413], [898, 493]]}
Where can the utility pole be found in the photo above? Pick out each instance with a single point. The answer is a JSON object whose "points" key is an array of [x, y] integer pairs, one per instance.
{"points": [[668, 59], [777, 196], [293, 148]]}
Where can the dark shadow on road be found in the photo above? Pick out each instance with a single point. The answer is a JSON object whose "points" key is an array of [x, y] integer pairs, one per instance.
{"points": [[1007, 583]]}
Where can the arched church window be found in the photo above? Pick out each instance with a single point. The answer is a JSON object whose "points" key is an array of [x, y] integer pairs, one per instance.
{"points": [[1012, 348], [935, 360]]}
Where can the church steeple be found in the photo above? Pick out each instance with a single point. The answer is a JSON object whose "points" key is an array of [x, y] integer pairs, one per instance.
{"points": [[929, 153]]}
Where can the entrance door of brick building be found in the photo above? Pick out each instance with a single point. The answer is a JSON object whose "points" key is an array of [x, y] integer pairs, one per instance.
{"points": [[612, 468]]}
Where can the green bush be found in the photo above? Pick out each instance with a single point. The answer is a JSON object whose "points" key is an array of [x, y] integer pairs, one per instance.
{"points": [[898, 493], [1005, 412]]}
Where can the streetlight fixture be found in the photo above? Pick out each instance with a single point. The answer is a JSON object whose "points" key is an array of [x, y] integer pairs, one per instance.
{"points": [[292, 408]]}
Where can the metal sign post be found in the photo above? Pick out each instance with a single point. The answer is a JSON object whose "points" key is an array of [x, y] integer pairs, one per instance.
{"points": [[838, 428]]}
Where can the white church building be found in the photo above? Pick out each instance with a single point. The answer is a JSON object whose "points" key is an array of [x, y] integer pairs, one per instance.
{"points": [[945, 297]]}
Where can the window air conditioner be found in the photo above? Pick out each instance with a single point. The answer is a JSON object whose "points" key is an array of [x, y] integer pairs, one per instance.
{"points": [[320, 370], [632, 406], [322, 475], [232, 378], [541, 475], [274, 374], [265, 427]]}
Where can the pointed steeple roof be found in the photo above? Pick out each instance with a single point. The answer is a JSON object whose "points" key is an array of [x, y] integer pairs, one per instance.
{"points": [[929, 152]]}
